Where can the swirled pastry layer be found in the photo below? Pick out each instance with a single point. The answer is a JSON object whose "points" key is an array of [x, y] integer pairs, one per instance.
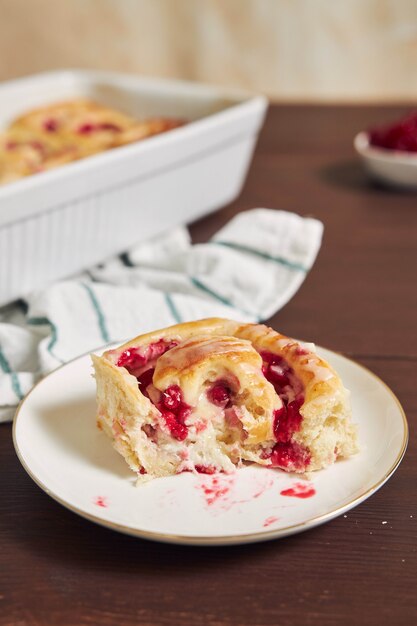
{"points": [[209, 395]]}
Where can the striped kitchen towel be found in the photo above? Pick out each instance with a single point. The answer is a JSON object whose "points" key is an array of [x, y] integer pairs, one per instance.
{"points": [[247, 271]]}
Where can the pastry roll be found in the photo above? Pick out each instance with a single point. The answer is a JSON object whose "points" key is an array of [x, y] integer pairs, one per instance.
{"points": [[207, 396], [59, 133]]}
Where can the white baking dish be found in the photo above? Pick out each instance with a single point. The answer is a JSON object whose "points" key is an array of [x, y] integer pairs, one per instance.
{"points": [[58, 222]]}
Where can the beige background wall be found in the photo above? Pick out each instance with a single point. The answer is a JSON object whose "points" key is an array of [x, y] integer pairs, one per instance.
{"points": [[289, 49]]}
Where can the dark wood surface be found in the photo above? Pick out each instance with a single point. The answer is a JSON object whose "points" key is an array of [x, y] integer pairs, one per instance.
{"points": [[361, 299]]}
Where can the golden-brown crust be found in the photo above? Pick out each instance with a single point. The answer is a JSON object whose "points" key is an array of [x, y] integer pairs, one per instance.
{"points": [[317, 376], [53, 135], [202, 353], [203, 360]]}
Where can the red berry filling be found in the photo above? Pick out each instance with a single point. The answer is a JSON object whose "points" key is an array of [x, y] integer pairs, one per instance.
{"points": [[170, 403], [151, 432], [290, 456], [89, 127], [183, 412], [35, 145], [145, 380], [132, 359], [175, 411], [205, 469], [157, 349], [172, 398], [219, 394], [85, 129], [109, 126], [287, 420], [50, 125], [277, 371], [178, 431]]}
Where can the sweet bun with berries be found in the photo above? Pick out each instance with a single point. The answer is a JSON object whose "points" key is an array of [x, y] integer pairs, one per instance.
{"points": [[55, 134], [207, 396]]}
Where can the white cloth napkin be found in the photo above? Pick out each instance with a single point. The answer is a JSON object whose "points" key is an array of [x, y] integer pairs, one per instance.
{"points": [[247, 271]]}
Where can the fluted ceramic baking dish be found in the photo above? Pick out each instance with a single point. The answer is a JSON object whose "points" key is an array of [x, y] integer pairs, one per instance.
{"points": [[58, 222]]}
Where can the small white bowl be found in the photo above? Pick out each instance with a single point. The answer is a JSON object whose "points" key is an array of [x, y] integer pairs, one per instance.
{"points": [[392, 167]]}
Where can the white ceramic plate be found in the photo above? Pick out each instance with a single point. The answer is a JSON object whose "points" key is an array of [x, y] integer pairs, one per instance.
{"points": [[392, 167], [60, 447]]}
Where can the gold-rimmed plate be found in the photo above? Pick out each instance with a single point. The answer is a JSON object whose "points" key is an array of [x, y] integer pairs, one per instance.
{"points": [[60, 447]]}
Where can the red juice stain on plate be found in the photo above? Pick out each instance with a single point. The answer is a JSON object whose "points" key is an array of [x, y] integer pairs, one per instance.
{"points": [[299, 490], [269, 521], [262, 488], [215, 489], [218, 489], [101, 501]]}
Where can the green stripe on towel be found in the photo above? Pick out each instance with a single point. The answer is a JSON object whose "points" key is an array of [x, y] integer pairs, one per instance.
{"points": [[172, 308], [210, 292], [263, 255], [44, 321], [220, 298], [5, 366], [99, 312]]}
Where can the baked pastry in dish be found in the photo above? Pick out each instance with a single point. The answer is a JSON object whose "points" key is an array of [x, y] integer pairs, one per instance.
{"points": [[206, 396], [67, 131]]}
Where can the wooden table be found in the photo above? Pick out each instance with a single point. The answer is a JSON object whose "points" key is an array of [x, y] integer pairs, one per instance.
{"points": [[360, 298]]}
